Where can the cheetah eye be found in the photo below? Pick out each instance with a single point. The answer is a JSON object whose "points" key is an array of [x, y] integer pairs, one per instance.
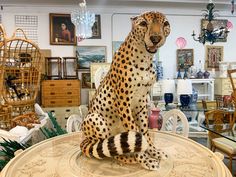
{"points": [[143, 23]]}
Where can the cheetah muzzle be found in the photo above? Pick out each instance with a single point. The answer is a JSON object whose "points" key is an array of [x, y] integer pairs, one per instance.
{"points": [[117, 123]]}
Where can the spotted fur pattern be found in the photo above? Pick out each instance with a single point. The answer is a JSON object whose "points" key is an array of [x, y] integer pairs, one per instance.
{"points": [[117, 123]]}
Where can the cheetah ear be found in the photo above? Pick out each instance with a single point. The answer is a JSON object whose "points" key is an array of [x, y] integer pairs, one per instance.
{"points": [[166, 28], [134, 18]]}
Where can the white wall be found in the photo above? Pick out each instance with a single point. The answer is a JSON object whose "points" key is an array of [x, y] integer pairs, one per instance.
{"points": [[115, 24]]}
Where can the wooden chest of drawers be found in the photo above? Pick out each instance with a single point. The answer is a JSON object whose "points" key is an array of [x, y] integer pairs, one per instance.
{"points": [[223, 86], [60, 93]]}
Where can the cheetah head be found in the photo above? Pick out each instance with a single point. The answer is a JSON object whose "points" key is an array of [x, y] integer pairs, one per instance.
{"points": [[152, 28]]}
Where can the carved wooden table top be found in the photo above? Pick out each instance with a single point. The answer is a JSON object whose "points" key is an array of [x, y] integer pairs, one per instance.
{"points": [[61, 157]]}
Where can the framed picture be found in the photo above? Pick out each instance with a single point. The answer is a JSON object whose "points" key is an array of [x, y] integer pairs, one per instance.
{"points": [[62, 30], [214, 55], [96, 28], [98, 71], [184, 58], [86, 80], [116, 46], [90, 54], [217, 23]]}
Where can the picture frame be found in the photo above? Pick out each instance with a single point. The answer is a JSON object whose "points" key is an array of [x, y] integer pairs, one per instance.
{"points": [[214, 55], [85, 80], [185, 58], [217, 23], [99, 69], [116, 46], [90, 54], [96, 28], [62, 30]]}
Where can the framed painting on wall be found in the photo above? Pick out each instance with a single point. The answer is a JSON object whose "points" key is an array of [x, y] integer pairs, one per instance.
{"points": [[62, 30], [96, 28], [185, 58], [90, 54], [116, 46], [86, 80], [214, 55], [98, 71], [217, 23]]}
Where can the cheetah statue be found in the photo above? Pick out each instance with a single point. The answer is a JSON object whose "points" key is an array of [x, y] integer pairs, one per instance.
{"points": [[117, 122]]}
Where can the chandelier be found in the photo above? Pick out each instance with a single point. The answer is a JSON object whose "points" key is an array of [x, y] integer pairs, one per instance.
{"points": [[210, 33], [83, 21]]}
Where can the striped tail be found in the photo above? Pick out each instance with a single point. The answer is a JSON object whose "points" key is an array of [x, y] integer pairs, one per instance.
{"points": [[126, 142]]}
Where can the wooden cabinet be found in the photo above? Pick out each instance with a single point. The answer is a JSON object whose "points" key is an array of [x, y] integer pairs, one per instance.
{"points": [[60, 93], [223, 86]]}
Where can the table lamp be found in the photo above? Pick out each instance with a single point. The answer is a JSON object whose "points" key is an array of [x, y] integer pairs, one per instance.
{"points": [[168, 90], [184, 90]]}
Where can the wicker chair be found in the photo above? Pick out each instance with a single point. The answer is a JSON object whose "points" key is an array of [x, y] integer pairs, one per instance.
{"points": [[23, 65]]}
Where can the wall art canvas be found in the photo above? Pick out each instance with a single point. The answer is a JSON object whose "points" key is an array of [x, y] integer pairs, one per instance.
{"points": [[86, 80], [185, 58], [116, 46], [90, 54], [214, 55], [62, 30], [96, 28]]}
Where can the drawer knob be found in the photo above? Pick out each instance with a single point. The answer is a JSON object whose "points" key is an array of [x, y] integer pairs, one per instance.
{"points": [[69, 84], [69, 93], [52, 84], [53, 102], [52, 93], [69, 101]]}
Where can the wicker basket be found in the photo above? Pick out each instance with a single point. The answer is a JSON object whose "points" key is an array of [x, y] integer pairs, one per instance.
{"points": [[23, 65]]}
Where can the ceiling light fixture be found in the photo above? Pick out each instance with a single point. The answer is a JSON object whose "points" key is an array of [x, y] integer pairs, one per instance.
{"points": [[83, 21], [210, 33]]}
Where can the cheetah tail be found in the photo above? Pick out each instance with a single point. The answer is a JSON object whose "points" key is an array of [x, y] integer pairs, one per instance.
{"points": [[126, 142]]}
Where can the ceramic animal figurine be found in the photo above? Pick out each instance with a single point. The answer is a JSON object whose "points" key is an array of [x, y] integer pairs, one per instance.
{"points": [[117, 122]]}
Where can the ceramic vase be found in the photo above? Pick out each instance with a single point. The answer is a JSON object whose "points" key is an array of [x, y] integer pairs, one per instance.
{"points": [[159, 71], [179, 74], [155, 119], [206, 75], [199, 74]]}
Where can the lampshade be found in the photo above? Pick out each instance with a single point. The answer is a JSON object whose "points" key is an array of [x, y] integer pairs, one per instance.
{"points": [[184, 86], [168, 86]]}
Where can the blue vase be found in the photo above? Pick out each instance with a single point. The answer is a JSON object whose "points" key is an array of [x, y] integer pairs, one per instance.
{"points": [[194, 97], [184, 100], [179, 74], [168, 97], [159, 71], [185, 74]]}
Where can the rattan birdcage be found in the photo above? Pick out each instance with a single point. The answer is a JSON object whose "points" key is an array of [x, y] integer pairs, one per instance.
{"points": [[5, 110], [23, 65]]}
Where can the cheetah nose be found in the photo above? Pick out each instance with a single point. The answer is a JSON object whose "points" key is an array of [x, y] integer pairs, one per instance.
{"points": [[155, 39]]}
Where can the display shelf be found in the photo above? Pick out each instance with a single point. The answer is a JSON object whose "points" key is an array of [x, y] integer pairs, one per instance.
{"points": [[205, 88]]}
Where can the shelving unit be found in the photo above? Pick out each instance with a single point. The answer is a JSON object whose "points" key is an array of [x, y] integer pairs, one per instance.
{"points": [[205, 88]]}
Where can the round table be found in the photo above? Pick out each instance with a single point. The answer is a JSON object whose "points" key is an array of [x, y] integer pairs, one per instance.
{"points": [[61, 157]]}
